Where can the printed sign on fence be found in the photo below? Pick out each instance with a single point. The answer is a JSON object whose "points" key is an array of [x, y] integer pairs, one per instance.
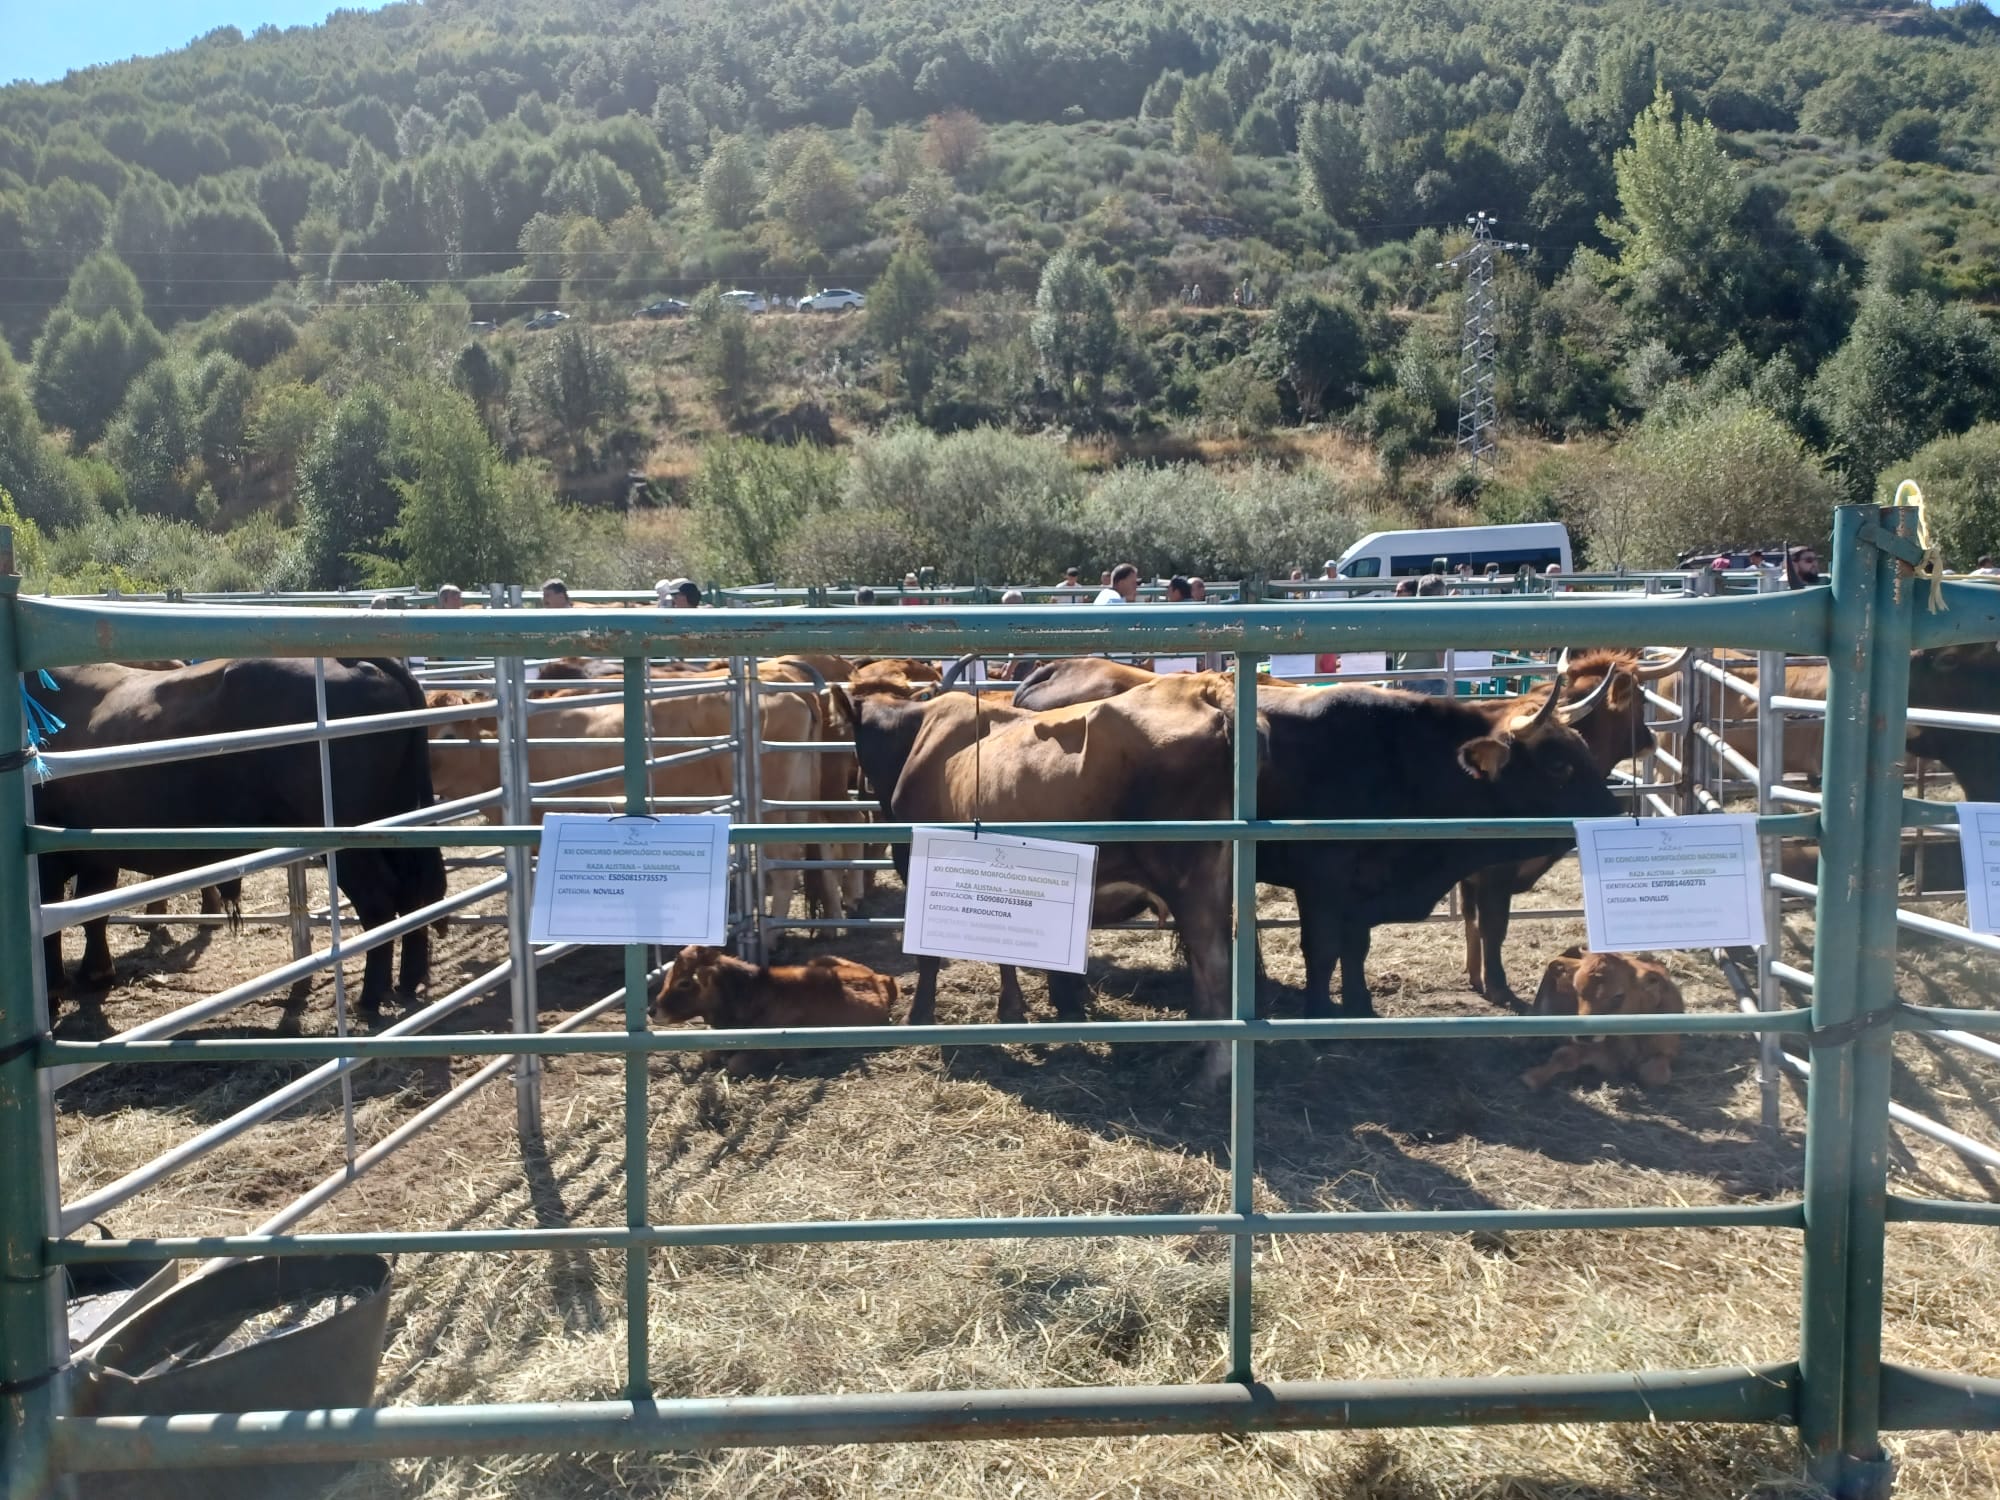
{"points": [[658, 880], [1672, 882], [1000, 899], [1979, 843]]}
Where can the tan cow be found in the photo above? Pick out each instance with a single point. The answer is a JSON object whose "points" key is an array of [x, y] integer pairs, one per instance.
{"points": [[1608, 984], [732, 994], [459, 771]]}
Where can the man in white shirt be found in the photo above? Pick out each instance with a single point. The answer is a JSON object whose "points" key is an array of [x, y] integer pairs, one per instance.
{"points": [[1124, 586]]}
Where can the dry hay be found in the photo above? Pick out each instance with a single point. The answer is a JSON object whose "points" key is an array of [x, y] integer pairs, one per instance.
{"points": [[1085, 1129]]}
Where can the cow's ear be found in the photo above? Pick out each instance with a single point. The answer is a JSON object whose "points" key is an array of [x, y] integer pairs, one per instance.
{"points": [[1486, 758]]}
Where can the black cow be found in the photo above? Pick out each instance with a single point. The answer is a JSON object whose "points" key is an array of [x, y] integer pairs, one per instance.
{"points": [[374, 776], [1961, 679], [1355, 752]]}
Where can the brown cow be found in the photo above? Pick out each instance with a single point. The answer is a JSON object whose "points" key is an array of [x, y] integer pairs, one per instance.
{"points": [[1608, 984], [786, 775], [732, 994]]}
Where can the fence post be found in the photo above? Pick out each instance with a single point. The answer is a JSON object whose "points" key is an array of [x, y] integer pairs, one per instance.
{"points": [[1770, 771], [638, 787], [1865, 1471], [1837, 927], [753, 805], [31, 1303], [1686, 743], [1243, 1007], [510, 694], [298, 909]]}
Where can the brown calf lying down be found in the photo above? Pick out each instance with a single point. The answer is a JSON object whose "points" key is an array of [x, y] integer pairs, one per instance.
{"points": [[733, 994], [1608, 984]]}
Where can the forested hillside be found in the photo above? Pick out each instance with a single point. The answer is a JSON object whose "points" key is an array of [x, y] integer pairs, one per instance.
{"points": [[1168, 282]]}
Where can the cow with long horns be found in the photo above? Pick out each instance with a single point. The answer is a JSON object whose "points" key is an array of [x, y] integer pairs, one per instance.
{"points": [[1354, 752]]}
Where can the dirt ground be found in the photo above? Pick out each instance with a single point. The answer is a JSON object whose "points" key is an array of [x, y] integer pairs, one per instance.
{"points": [[1039, 1129]]}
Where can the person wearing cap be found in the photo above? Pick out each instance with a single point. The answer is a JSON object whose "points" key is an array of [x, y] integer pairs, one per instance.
{"points": [[910, 586], [449, 597], [678, 593], [864, 596], [555, 595]]}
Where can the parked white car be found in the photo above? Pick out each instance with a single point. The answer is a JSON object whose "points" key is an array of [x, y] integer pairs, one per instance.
{"points": [[833, 299], [750, 302]]}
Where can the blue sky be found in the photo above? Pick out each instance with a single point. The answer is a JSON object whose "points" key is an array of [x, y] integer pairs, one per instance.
{"points": [[44, 39]]}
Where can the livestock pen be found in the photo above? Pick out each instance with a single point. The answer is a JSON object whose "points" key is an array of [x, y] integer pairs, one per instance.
{"points": [[1837, 1389]]}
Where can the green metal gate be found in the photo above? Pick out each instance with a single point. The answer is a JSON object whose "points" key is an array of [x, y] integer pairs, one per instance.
{"points": [[1837, 1392]]}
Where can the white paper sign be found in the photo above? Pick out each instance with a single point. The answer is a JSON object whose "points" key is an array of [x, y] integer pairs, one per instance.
{"points": [[1000, 899], [1166, 664], [632, 880], [1295, 666], [1354, 663], [1672, 882], [1979, 844]]}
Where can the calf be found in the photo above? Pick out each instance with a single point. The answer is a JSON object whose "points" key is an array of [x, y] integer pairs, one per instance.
{"points": [[733, 994], [1608, 984]]}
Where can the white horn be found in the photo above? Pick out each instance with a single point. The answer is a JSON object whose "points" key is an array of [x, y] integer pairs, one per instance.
{"points": [[1653, 670], [1528, 723], [1580, 709]]}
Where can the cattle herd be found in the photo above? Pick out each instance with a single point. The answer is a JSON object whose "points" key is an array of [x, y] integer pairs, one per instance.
{"points": [[1084, 739]]}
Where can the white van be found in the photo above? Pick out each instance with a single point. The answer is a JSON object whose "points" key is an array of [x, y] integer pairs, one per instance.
{"points": [[1399, 554]]}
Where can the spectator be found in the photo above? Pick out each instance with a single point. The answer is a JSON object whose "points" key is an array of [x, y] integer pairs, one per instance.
{"points": [[1298, 575], [449, 597], [677, 593], [380, 601], [1197, 590], [910, 589], [1104, 579], [864, 596], [1431, 585], [1072, 587], [1802, 568], [1987, 567], [1179, 590], [1123, 585], [1758, 562], [555, 595]]}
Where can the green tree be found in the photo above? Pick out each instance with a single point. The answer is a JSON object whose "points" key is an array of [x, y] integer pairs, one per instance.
{"points": [[749, 497], [1333, 163], [32, 466], [1203, 109], [1910, 135], [579, 385], [1713, 476], [1678, 189], [84, 364], [1910, 371], [346, 496], [1960, 476], [1317, 346], [589, 263], [729, 184], [813, 192], [464, 513], [1075, 327], [901, 305], [155, 441]]}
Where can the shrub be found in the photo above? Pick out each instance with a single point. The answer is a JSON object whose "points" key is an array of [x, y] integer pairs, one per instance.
{"points": [[1960, 476], [1729, 473], [748, 499]]}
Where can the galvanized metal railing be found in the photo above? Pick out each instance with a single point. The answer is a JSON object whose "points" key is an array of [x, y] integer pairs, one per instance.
{"points": [[1838, 1391]]}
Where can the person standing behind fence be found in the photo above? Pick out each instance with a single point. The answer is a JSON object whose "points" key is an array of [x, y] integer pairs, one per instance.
{"points": [[1070, 590], [1121, 585], [1802, 568], [449, 597], [1430, 586], [864, 596]]}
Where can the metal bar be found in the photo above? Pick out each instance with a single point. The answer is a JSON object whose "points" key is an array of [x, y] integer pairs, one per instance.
{"points": [[1829, 1170], [752, 794], [1764, 1394], [333, 909], [31, 1349], [44, 840], [1770, 768], [1781, 1215], [1926, 1400], [1904, 1210], [1243, 1007], [1909, 921], [510, 729], [103, 1200], [224, 1001], [55, 632], [1111, 1033], [638, 1376], [1873, 1048], [331, 1186]]}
